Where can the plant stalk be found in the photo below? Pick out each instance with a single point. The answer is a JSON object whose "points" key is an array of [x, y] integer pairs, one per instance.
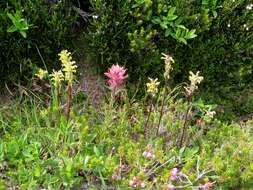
{"points": [[185, 123], [113, 98], [69, 101], [161, 112], [146, 123]]}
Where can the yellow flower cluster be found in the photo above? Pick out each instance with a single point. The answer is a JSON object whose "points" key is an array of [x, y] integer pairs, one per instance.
{"points": [[195, 79], [168, 66], [57, 78], [153, 86], [65, 56], [41, 74], [68, 65]]}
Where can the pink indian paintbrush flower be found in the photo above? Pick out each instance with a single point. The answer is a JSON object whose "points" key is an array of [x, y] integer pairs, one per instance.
{"points": [[116, 76]]}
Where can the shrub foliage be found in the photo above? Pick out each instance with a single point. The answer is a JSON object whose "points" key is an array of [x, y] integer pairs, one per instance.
{"points": [[212, 36], [30, 33]]}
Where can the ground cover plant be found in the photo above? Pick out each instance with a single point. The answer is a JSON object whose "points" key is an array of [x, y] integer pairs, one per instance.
{"points": [[170, 140]]}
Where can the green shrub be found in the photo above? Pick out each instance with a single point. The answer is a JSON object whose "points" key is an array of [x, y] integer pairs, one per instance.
{"points": [[223, 53], [130, 32], [136, 32], [30, 32]]}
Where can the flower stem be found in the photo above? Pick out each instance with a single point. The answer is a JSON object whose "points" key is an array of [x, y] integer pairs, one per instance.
{"points": [[58, 98], [146, 123], [69, 101], [113, 97], [161, 112], [55, 100], [185, 123]]}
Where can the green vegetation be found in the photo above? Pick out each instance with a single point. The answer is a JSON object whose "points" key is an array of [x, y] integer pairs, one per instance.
{"points": [[218, 36], [30, 34], [176, 112]]}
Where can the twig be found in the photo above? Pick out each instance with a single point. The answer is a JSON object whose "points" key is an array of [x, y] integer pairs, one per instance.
{"points": [[201, 175], [151, 172], [186, 177], [157, 163]]}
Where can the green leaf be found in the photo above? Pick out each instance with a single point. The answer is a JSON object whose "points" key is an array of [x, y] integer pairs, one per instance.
{"points": [[191, 34], [178, 32], [37, 171], [23, 34], [86, 160], [205, 2], [96, 151], [164, 25], [138, 3], [184, 32], [215, 14], [156, 20], [102, 180], [171, 17], [181, 151], [11, 17], [181, 26], [135, 5], [182, 40], [178, 21], [171, 11], [168, 32], [12, 29]]}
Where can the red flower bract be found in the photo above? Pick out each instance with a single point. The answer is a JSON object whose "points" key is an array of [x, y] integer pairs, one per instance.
{"points": [[116, 76]]}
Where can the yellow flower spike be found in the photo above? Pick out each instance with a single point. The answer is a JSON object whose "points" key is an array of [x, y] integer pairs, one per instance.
{"points": [[57, 77], [153, 86], [68, 65], [168, 60], [41, 74], [69, 69], [195, 79], [65, 56]]}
